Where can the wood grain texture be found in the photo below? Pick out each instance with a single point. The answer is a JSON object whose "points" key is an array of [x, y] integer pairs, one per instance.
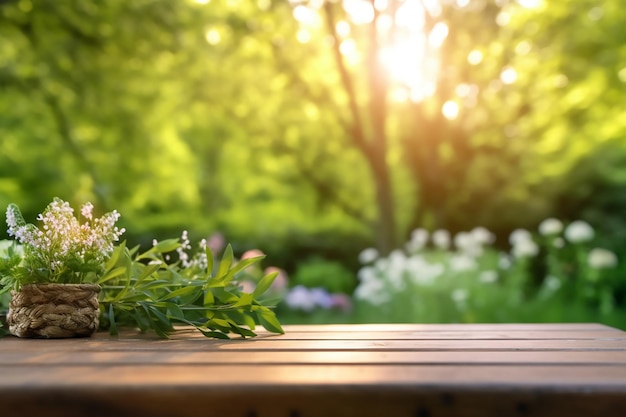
{"points": [[408, 370]]}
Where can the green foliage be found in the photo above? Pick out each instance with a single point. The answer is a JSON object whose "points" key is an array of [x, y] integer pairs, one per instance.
{"points": [[555, 276], [63, 250], [143, 290], [330, 275], [238, 119]]}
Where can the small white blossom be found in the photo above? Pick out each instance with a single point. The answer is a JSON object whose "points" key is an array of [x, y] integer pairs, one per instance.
{"points": [[579, 231], [63, 241], [488, 277], [525, 248], [462, 262], [552, 283], [441, 239], [519, 235], [368, 255], [460, 295], [482, 236], [87, 211], [600, 258], [550, 227], [419, 238]]}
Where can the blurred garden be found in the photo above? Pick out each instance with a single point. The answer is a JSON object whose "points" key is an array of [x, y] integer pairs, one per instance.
{"points": [[427, 161]]}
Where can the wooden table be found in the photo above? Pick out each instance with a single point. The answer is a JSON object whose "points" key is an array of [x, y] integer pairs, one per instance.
{"points": [[339, 370]]}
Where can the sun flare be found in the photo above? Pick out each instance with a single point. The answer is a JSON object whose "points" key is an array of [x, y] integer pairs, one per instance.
{"points": [[408, 49]]}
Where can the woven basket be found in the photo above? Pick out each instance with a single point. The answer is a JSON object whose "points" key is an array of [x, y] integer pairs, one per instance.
{"points": [[54, 310]]}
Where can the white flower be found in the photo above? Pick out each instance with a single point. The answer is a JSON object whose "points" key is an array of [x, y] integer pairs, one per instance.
{"points": [[550, 226], [525, 248], [441, 239], [462, 262], [552, 283], [87, 211], [558, 243], [488, 277], [579, 231], [368, 255], [519, 235], [372, 291], [463, 241], [460, 295], [482, 236], [504, 262], [600, 258], [419, 238]]}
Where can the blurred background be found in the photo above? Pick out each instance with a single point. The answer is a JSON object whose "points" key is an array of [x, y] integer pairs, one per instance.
{"points": [[397, 160]]}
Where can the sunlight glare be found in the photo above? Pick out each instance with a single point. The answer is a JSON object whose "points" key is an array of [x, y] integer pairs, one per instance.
{"points": [[360, 11], [523, 48], [433, 7], [450, 110], [306, 16], [475, 57], [622, 75], [438, 34], [530, 4], [384, 23], [399, 95], [213, 36], [503, 18], [202, 1], [349, 50], [410, 15], [303, 36], [403, 61], [463, 90], [381, 5], [508, 75], [343, 29], [425, 90]]}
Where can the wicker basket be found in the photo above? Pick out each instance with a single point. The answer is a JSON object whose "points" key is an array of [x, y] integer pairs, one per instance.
{"points": [[54, 310]]}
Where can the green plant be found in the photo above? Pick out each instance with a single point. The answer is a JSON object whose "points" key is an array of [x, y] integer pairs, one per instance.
{"points": [[63, 250], [331, 275], [144, 290]]}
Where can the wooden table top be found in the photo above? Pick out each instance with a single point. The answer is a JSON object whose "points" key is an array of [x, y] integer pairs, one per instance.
{"points": [[396, 370]]}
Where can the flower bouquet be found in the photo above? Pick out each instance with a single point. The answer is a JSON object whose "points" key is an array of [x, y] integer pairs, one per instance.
{"points": [[69, 278]]}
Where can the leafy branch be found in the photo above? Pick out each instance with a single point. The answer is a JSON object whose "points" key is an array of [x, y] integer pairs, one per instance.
{"points": [[143, 290]]}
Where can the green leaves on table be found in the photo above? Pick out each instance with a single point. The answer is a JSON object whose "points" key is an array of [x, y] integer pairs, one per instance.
{"points": [[145, 291]]}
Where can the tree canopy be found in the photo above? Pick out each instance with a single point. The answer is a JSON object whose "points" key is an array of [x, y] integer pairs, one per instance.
{"points": [[308, 125]]}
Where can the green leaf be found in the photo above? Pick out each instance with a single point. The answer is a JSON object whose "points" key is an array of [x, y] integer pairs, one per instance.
{"points": [[115, 256], [225, 263], [112, 325], [264, 284], [175, 311], [245, 300], [268, 319], [114, 273], [214, 334], [245, 263], [209, 259]]}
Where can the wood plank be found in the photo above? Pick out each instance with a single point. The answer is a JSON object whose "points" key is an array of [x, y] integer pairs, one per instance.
{"points": [[455, 335], [473, 327], [290, 401], [132, 357], [276, 343], [590, 378]]}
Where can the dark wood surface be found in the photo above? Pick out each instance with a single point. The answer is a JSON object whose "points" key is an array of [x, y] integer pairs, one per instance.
{"points": [[412, 370]]}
